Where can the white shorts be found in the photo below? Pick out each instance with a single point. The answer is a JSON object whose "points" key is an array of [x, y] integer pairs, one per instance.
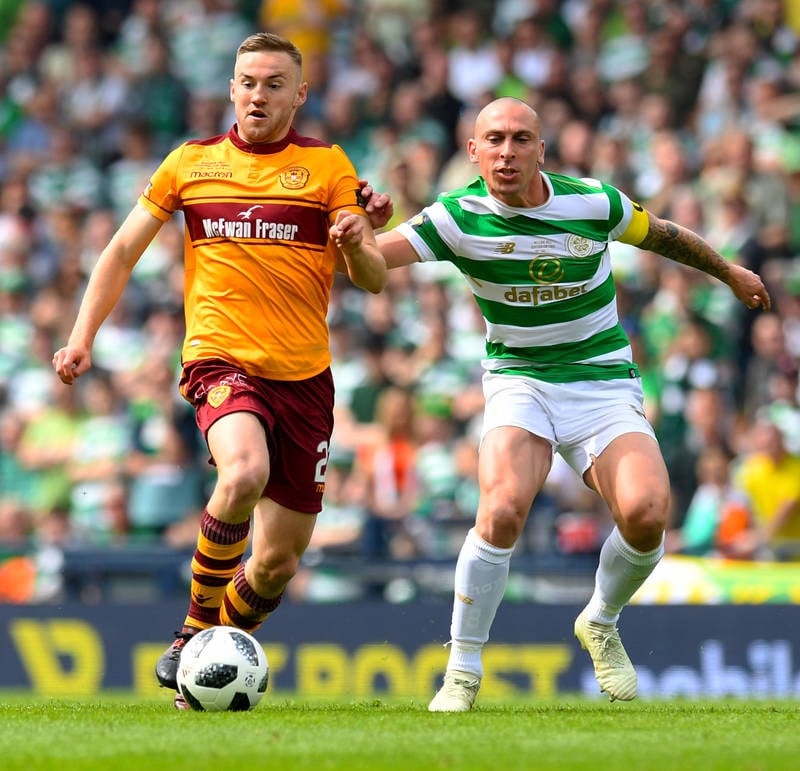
{"points": [[578, 419]]}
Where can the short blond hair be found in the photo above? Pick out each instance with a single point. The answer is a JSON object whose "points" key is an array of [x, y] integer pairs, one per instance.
{"points": [[268, 41]]}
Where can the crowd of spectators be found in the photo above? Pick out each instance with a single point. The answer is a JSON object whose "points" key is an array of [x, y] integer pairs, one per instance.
{"points": [[692, 107]]}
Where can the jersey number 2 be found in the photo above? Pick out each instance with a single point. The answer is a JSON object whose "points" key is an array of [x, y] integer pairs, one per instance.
{"points": [[322, 463]]}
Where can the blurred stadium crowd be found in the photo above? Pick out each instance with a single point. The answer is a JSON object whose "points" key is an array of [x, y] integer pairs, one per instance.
{"points": [[690, 106]]}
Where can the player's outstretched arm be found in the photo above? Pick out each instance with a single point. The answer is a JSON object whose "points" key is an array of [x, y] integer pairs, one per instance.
{"points": [[686, 247], [355, 239], [396, 249], [106, 284], [378, 206]]}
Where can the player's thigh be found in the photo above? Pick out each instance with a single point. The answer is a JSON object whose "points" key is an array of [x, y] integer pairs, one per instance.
{"points": [[632, 478], [238, 444], [513, 465]]}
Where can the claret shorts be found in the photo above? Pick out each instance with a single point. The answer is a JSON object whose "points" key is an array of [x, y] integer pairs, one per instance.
{"points": [[297, 416]]}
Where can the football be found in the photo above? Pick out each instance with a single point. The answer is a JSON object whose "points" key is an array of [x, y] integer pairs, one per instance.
{"points": [[223, 669]]}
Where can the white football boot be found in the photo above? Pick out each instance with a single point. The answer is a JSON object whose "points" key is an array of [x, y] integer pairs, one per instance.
{"points": [[612, 667], [457, 693]]}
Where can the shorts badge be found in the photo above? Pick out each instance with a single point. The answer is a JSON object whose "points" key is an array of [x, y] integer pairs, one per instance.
{"points": [[218, 394]]}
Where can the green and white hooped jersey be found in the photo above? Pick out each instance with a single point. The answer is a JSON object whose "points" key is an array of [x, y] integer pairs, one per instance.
{"points": [[541, 276]]}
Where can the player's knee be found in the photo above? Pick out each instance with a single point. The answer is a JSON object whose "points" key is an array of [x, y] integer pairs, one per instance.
{"points": [[243, 483], [645, 520], [501, 523]]}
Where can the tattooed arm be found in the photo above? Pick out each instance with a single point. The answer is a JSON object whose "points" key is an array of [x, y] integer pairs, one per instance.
{"points": [[686, 247]]}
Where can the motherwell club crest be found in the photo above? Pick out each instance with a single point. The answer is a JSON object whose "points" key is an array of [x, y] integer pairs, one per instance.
{"points": [[218, 394], [294, 178]]}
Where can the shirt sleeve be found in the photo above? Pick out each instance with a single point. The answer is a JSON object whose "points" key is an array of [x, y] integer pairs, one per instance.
{"points": [[638, 224], [160, 197], [422, 234], [344, 187]]}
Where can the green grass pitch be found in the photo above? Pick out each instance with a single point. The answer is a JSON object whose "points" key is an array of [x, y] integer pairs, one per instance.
{"points": [[124, 733]]}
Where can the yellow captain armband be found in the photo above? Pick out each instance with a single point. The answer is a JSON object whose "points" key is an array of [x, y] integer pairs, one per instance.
{"points": [[637, 228]]}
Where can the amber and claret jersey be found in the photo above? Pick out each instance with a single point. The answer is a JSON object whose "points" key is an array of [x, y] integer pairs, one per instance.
{"points": [[258, 261]]}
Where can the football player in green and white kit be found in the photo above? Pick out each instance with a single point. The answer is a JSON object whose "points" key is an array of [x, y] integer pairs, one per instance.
{"points": [[559, 376]]}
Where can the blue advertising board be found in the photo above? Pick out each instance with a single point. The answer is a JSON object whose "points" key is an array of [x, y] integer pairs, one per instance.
{"points": [[374, 648]]}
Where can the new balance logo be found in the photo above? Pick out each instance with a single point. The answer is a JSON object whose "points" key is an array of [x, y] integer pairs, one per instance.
{"points": [[507, 247]]}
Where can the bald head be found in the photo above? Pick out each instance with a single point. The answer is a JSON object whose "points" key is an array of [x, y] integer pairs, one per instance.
{"points": [[508, 148], [508, 108]]}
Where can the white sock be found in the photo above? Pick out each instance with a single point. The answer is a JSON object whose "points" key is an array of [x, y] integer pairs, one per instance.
{"points": [[480, 581], [621, 571]]}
